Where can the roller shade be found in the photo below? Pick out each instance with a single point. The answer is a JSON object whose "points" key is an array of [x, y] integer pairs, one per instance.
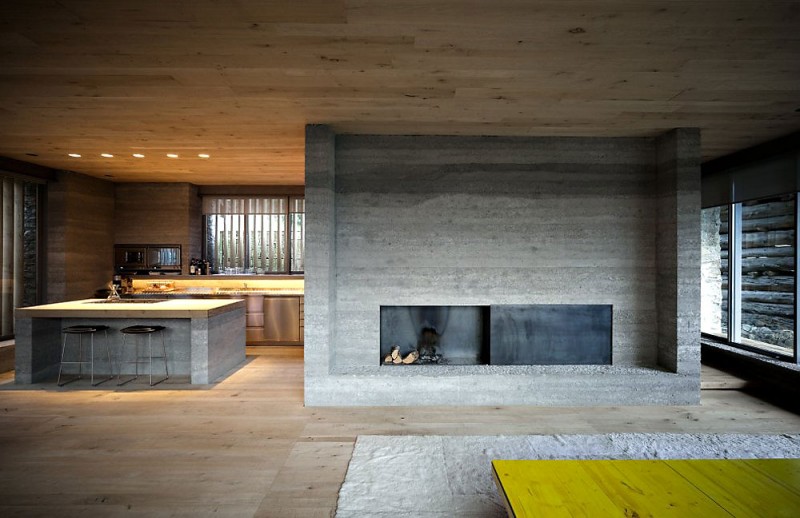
{"points": [[767, 177]]}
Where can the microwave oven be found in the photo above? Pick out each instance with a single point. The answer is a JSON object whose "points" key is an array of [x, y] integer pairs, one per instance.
{"points": [[146, 259]]}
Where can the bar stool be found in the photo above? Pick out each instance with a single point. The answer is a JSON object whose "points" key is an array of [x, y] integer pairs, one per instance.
{"points": [[80, 331], [138, 331]]}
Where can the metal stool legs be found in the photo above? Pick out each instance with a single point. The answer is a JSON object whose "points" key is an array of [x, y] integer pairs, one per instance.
{"points": [[80, 331], [138, 358]]}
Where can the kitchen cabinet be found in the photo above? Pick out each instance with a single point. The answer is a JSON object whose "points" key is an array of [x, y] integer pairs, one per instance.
{"points": [[275, 320], [281, 319], [267, 322], [254, 318]]}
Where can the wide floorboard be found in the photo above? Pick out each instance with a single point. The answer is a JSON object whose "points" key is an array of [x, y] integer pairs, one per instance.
{"points": [[248, 447]]}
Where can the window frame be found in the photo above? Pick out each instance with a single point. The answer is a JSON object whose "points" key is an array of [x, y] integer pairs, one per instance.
{"points": [[287, 232], [734, 338], [39, 199]]}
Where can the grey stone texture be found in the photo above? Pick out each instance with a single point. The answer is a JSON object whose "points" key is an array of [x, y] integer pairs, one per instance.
{"points": [[30, 243], [420, 220], [678, 250], [320, 268], [34, 364], [202, 349], [711, 276], [218, 345]]}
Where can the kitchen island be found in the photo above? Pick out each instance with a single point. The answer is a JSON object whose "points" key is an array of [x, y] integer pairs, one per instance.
{"points": [[274, 307], [205, 337]]}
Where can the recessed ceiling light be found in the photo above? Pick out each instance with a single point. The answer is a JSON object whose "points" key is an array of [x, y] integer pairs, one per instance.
{"points": [[172, 155], [74, 155], [204, 155], [138, 155], [106, 155]]}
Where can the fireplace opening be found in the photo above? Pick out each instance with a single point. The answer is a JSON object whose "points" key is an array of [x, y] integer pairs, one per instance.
{"points": [[447, 335], [532, 334]]}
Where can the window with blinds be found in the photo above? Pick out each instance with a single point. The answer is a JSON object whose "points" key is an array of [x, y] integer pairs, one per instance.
{"points": [[297, 233], [19, 222], [255, 234]]}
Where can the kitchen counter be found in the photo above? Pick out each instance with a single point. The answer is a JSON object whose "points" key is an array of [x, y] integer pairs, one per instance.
{"points": [[212, 292], [205, 286], [100, 308], [271, 318], [205, 337]]}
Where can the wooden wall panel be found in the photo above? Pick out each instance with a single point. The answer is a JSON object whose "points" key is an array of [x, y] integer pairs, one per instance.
{"points": [[161, 214], [80, 236]]}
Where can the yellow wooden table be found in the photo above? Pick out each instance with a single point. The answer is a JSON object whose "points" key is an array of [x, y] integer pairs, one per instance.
{"points": [[759, 488]]}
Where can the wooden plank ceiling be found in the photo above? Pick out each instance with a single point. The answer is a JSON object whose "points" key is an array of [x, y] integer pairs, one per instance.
{"points": [[239, 79]]}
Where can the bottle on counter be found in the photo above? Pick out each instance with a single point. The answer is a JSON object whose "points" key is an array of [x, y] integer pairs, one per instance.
{"points": [[193, 266], [117, 283]]}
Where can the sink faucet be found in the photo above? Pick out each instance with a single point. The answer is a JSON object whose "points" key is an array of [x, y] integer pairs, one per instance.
{"points": [[244, 284]]}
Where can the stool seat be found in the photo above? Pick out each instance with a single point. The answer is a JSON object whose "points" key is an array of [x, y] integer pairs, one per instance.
{"points": [[140, 329], [80, 330]]}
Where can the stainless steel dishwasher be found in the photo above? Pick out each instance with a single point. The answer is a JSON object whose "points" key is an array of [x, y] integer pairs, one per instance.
{"points": [[282, 319]]}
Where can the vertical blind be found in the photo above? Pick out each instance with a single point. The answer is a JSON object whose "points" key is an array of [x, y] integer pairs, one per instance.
{"points": [[11, 255], [297, 209], [251, 235]]}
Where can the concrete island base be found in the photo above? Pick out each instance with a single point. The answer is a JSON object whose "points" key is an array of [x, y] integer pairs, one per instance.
{"points": [[205, 339]]}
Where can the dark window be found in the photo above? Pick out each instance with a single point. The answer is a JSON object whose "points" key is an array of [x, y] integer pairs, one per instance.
{"points": [[19, 257], [749, 264]]}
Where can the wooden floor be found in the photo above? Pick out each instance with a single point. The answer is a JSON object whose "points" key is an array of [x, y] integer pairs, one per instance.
{"points": [[248, 447]]}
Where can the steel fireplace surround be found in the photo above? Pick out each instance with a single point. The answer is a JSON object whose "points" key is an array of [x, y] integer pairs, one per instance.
{"points": [[534, 334]]}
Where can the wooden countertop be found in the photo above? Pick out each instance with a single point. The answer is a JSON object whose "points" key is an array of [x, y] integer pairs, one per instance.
{"points": [[170, 308], [217, 292]]}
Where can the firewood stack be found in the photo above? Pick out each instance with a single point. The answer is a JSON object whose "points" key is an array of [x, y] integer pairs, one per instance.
{"points": [[396, 358]]}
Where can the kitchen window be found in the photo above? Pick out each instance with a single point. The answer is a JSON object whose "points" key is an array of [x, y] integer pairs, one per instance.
{"points": [[255, 234]]}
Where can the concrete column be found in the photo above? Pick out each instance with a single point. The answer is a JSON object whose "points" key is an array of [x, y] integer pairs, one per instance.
{"points": [[678, 250], [320, 269]]}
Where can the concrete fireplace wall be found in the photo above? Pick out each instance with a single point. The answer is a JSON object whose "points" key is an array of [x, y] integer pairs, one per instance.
{"points": [[421, 220]]}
